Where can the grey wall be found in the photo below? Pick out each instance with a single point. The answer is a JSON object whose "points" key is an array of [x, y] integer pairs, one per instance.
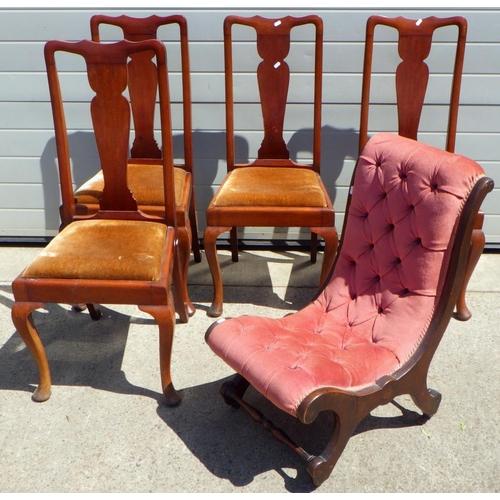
{"points": [[29, 193]]}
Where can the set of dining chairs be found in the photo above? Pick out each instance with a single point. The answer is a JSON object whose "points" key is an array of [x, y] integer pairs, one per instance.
{"points": [[410, 241]]}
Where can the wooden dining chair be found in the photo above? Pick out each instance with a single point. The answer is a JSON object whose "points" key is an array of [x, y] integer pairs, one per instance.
{"points": [[371, 333], [119, 255], [415, 37], [145, 166], [272, 190]]}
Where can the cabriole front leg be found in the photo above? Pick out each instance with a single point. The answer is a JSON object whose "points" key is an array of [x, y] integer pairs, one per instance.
{"points": [[23, 321], [209, 242], [331, 239], [165, 318], [476, 249]]}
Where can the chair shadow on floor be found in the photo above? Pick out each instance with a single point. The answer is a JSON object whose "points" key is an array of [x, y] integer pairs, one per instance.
{"points": [[81, 352], [260, 279], [244, 451], [84, 353]]}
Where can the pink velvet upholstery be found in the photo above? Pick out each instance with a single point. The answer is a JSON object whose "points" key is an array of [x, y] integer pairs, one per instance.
{"points": [[380, 298]]}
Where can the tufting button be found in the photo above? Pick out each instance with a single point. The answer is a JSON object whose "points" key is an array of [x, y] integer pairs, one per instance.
{"points": [[405, 291], [411, 207], [403, 176], [397, 261], [380, 310]]}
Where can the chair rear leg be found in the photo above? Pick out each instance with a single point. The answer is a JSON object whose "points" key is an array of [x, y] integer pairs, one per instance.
{"points": [[94, 311], [234, 244], [195, 246], [23, 321], [314, 247], [237, 386]]}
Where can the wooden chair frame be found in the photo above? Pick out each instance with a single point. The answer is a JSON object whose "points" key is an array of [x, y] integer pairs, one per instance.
{"points": [[273, 42], [106, 69], [145, 150], [350, 407]]}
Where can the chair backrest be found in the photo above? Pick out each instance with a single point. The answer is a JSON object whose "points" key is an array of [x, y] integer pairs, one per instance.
{"points": [[397, 240], [412, 73], [142, 80], [273, 76], [107, 72]]}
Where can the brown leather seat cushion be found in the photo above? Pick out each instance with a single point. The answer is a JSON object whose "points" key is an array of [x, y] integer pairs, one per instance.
{"points": [[103, 249], [270, 186], [145, 182]]}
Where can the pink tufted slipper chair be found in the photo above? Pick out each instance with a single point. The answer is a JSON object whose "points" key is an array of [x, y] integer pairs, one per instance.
{"points": [[371, 332]]}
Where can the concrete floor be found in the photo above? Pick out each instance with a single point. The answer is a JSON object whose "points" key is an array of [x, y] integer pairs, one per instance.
{"points": [[105, 430]]}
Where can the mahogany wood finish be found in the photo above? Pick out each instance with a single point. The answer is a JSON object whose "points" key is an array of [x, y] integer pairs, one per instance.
{"points": [[71, 269], [145, 149], [273, 76], [411, 79]]}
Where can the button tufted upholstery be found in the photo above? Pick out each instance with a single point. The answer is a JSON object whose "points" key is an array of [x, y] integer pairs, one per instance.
{"points": [[369, 319]]}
